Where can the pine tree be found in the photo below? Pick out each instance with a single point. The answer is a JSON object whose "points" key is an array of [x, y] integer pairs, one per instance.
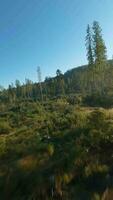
{"points": [[99, 48], [89, 47]]}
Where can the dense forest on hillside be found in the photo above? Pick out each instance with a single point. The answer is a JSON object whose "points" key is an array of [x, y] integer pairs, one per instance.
{"points": [[56, 136], [82, 85]]}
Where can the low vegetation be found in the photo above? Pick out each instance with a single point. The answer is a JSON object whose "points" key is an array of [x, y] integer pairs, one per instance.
{"points": [[55, 151]]}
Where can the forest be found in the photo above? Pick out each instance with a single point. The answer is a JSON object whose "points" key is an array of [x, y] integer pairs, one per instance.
{"points": [[56, 135]]}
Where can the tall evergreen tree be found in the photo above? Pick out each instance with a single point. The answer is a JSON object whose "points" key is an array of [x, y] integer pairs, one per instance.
{"points": [[89, 47], [99, 47]]}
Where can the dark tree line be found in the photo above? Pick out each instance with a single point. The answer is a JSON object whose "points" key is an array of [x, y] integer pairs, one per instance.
{"points": [[92, 79]]}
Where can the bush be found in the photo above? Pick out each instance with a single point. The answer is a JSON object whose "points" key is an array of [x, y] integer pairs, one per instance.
{"points": [[4, 128]]}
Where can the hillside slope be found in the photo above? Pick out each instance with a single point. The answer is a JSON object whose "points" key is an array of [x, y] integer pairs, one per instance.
{"points": [[82, 84]]}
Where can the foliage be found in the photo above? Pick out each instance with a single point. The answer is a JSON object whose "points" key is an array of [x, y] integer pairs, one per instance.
{"points": [[54, 141], [56, 150]]}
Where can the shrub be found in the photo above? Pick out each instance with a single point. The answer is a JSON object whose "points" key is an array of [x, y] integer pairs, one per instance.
{"points": [[4, 128]]}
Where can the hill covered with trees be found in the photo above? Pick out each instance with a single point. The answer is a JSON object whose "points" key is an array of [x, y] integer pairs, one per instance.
{"points": [[55, 140], [91, 84]]}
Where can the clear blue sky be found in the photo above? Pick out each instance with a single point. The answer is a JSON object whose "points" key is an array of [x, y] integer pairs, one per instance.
{"points": [[49, 34]]}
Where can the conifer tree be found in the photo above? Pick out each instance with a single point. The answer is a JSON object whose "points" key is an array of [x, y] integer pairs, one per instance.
{"points": [[89, 47], [99, 48]]}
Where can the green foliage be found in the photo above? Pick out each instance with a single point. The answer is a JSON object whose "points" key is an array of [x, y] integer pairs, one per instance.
{"points": [[89, 47], [97, 119], [4, 127], [60, 150], [50, 149], [99, 46]]}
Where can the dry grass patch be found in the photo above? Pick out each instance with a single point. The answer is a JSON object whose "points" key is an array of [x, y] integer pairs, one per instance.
{"points": [[29, 163]]}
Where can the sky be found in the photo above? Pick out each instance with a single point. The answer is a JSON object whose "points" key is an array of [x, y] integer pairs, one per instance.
{"points": [[48, 33]]}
